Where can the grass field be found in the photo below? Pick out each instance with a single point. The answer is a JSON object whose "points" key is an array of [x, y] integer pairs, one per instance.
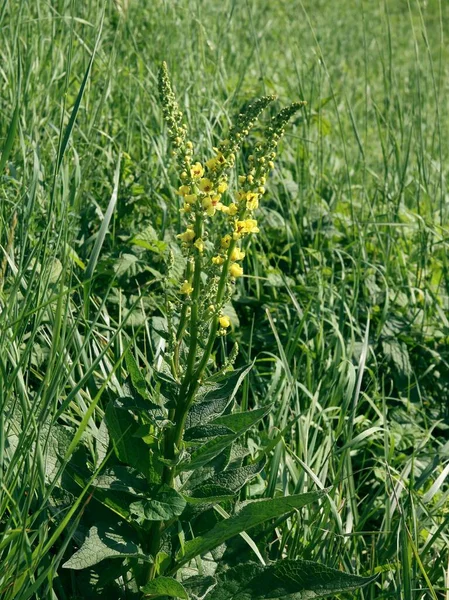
{"points": [[343, 307]]}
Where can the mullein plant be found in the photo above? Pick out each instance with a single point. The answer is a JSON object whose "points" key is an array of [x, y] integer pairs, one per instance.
{"points": [[171, 482]]}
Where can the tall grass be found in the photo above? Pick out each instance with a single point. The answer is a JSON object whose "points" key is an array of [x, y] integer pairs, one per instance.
{"points": [[345, 310]]}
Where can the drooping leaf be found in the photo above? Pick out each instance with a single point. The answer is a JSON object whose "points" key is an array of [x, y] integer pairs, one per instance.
{"points": [[162, 503], [248, 515], [242, 421], [105, 542], [216, 397], [165, 586], [284, 580]]}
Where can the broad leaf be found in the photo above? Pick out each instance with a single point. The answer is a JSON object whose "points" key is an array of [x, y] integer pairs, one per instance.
{"points": [[224, 485], [216, 397], [248, 515], [284, 580], [212, 448], [120, 478], [165, 586], [199, 586], [105, 542], [122, 425], [163, 503], [137, 379]]}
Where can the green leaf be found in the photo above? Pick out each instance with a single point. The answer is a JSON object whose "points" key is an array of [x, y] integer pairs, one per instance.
{"points": [[214, 447], [120, 478], [122, 425], [225, 485], [137, 379], [248, 515], [149, 240], [198, 586], [105, 542], [216, 397], [242, 421], [163, 504], [285, 579], [9, 138], [202, 432], [165, 586]]}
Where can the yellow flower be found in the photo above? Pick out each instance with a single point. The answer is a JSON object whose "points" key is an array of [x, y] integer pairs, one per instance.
{"points": [[225, 321], [242, 179], [206, 185], [184, 190], [190, 198], [261, 190], [220, 159], [271, 164], [211, 204], [233, 209], [197, 171], [211, 164], [189, 145], [199, 244], [240, 196], [187, 236], [186, 208], [186, 288], [244, 227], [218, 260], [222, 187], [252, 201], [235, 270], [263, 180], [226, 241], [250, 178], [237, 254]]}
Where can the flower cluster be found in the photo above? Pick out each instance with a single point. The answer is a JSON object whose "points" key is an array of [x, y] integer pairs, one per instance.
{"points": [[204, 192]]}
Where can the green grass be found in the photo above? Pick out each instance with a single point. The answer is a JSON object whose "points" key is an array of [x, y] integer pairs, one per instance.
{"points": [[344, 308]]}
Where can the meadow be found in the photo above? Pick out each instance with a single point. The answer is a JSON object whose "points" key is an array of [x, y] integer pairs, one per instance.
{"points": [[269, 425]]}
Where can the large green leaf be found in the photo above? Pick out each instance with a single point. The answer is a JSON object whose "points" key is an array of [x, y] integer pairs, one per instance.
{"points": [[216, 397], [284, 580], [223, 485], [163, 503], [248, 515], [120, 478], [137, 379], [165, 586], [198, 586], [105, 542], [122, 425], [213, 447]]}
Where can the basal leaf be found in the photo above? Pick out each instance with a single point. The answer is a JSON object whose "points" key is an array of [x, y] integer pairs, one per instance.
{"points": [[163, 504], [105, 542], [284, 580], [248, 515], [165, 586]]}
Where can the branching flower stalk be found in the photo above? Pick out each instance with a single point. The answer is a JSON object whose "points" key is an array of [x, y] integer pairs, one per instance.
{"points": [[212, 265]]}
